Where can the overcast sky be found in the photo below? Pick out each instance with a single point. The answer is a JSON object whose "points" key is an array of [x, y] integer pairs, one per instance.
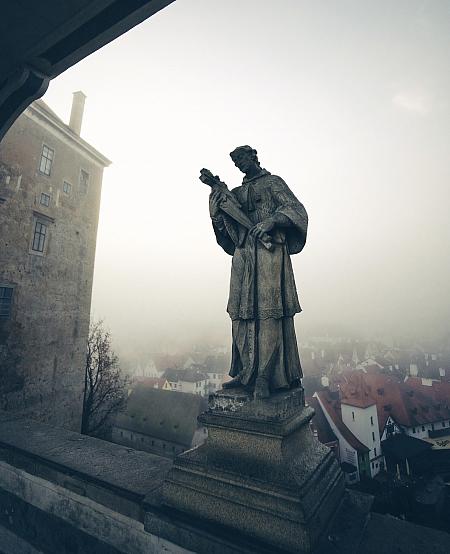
{"points": [[348, 101]]}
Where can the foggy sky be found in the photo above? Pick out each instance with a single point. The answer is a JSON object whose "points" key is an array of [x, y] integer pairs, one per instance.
{"points": [[347, 101]]}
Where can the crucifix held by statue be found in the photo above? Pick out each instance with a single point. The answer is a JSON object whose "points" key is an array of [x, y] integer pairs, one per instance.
{"points": [[260, 224]]}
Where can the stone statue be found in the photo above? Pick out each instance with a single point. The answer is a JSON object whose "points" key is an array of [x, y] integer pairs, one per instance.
{"points": [[260, 224]]}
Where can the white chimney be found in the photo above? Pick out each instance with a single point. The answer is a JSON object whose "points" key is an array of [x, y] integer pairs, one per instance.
{"points": [[76, 114]]}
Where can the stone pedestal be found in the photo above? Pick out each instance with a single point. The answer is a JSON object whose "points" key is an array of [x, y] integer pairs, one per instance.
{"points": [[261, 472]]}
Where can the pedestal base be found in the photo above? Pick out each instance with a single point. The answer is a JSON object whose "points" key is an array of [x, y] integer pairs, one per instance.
{"points": [[261, 471]]}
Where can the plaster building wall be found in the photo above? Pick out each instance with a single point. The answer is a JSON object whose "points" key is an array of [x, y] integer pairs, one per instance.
{"points": [[363, 423], [215, 380], [147, 443], [44, 329], [422, 431]]}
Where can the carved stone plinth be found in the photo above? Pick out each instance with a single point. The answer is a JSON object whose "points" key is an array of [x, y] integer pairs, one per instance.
{"points": [[261, 471]]}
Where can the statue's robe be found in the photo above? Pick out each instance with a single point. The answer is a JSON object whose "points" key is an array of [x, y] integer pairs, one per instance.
{"points": [[263, 297]]}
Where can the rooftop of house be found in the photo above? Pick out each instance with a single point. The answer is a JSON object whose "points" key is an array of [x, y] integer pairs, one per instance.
{"points": [[163, 414], [331, 403], [155, 382], [410, 402], [320, 423], [190, 375], [401, 446]]}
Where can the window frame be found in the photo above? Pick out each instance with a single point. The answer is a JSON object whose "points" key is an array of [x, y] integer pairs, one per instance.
{"points": [[84, 187], [6, 316], [48, 198], [42, 219], [47, 169], [68, 192]]}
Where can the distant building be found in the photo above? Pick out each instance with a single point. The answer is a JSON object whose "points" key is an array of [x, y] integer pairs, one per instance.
{"points": [[189, 380], [50, 187], [374, 408], [159, 421], [154, 382]]}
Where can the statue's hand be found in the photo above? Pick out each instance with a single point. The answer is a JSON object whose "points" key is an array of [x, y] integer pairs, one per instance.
{"points": [[262, 228], [215, 198]]}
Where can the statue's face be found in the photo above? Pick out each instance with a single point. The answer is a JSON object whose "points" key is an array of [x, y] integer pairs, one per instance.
{"points": [[243, 161]]}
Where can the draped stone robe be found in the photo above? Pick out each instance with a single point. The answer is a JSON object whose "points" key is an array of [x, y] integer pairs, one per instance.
{"points": [[263, 297]]}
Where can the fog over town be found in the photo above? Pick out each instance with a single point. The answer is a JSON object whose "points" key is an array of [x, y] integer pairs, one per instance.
{"points": [[350, 107], [225, 277]]}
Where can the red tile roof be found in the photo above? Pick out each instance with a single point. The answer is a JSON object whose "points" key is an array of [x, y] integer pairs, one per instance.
{"points": [[410, 402]]}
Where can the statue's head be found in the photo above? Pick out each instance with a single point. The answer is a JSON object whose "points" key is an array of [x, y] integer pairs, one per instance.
{"points": [[245, 158]]}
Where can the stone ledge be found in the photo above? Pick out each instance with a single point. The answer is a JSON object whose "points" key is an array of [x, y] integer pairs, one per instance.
{"points": [[116, 483], [112, 475]]}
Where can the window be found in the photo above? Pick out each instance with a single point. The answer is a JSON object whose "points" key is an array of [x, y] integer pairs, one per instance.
{"points": [[432, 426], [353, 416], [373, 436], [423, 427], [67, 187], [40, 234], [414, 430], [6, 294], [121, 433], [371, 420], [45, 165], [443, 424], [45, 199], [153, 443], [84, 181], [375, 452]]}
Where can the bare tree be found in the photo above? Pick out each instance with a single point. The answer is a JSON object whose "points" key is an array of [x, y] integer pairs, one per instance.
{"points": [[105, 389]]}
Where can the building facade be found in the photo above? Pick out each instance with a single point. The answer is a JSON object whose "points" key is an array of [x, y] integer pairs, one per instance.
{"points": [[50, 188], [190, 380]]}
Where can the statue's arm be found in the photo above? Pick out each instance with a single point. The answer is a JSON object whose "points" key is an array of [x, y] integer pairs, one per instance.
{"points": [[224, 229], [289, 212]]}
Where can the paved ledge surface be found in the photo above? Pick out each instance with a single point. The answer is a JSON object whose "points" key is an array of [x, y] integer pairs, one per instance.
{"points": [[59, 455]]}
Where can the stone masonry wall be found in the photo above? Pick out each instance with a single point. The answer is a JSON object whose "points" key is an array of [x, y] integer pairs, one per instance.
{"points": [[42, 344]]}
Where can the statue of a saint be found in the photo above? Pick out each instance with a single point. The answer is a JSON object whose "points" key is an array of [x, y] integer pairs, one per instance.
{"points": [[260, 224]]}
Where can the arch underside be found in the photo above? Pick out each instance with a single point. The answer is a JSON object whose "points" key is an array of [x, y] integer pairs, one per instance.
{"points": [[46, 38]]}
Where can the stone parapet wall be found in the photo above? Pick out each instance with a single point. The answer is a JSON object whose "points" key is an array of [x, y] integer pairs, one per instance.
{"points": [[65, 493]]}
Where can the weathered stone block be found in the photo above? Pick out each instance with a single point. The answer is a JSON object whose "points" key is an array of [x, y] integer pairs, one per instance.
{"points": [[260, 472]]}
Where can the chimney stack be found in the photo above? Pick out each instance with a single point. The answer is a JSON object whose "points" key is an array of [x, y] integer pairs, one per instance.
{"points": [[76, 114]]}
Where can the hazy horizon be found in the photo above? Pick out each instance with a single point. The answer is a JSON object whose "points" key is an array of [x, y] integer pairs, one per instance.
{"points": [[348, 102]]}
